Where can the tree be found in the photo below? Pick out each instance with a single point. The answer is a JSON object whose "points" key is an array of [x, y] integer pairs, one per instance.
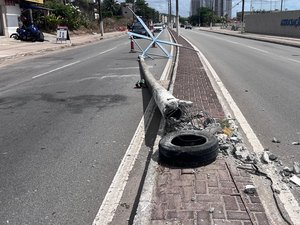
{"points": [[110, 8], [205, 16], [183, 20], [142, 9], [67, 15]]}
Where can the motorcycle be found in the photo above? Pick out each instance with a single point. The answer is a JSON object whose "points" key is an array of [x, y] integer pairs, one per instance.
{"points": [[30, 33]]}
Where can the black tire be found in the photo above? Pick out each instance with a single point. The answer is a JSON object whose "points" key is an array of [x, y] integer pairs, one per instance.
{"points": [[41, 37], [188, 148], [15, 36]]}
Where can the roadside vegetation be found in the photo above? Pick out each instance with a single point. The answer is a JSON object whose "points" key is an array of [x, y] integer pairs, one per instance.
{"points": [[83, 15], [205, 16]]}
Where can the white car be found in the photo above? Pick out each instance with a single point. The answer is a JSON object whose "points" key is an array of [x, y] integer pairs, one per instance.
{"points": [[157, 27]]}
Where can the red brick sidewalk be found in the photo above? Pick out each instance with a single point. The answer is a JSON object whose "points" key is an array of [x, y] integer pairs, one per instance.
{"points": [[209, 195]]}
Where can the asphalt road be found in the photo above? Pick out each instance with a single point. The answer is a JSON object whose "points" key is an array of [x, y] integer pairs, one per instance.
{"points": [[263, 79], [66, 121]]}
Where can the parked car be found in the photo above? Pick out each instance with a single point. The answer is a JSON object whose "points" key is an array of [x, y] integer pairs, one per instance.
{"points": [[182, 25], [139, 29], [158, 27], [188, 26]]}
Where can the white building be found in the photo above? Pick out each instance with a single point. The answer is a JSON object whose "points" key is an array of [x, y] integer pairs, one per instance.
{"points": [[10, 12]]}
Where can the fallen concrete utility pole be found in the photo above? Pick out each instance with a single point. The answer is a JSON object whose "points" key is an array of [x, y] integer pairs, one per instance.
{"points": [[168, 105]]}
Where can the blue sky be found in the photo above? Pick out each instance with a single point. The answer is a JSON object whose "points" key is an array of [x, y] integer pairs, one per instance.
{"points": [[184, 5]]}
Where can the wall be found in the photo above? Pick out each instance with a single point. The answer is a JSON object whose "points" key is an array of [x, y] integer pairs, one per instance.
{"points": [[285, 23], [12, 14], [2, 18]]}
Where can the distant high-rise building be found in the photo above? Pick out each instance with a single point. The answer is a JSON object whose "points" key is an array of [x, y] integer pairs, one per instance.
{"points": [[220, 7]]}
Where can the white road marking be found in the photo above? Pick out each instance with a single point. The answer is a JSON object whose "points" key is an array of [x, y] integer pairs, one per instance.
{"points": [[257, 49], [108, 50], [125, 68], [109, 76], [286, 197], [100, 53], [59, 68], [293, 60], [116, 189], [237, 43], [70, 64]]}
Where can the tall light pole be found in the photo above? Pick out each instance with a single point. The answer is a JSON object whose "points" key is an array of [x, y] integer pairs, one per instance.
{"points": [[243, 12], [170, 12], [100, 18], [177, 18]]}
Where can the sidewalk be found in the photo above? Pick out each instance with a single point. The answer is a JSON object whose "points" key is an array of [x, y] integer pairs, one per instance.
{"points": [[11, 49]]}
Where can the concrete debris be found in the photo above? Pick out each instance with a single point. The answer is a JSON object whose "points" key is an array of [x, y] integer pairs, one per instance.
{"points": [[277, 191], [285, 180], [226, 149], [272, 157], [285, 173], [240, 151], [288, 169], [265, 158], [296, 168], [222, 138], [214, 128], [274, 140], [295, 143], [250, 189], [234, 139], [208, 121], [252, 158], [295, 180]]}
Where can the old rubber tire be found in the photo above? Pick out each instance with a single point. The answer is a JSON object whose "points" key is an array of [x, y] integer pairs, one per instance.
{"points": [[188, 148]]}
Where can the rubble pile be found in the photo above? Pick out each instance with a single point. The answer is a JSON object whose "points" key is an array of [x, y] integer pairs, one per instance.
{"points": [[231, 142]]}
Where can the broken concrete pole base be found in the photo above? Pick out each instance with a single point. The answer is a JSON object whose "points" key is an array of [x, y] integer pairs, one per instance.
{"points": [[168, 105]]}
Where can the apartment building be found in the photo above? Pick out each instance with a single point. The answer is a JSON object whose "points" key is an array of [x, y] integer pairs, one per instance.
{"points": [[220, 7]]}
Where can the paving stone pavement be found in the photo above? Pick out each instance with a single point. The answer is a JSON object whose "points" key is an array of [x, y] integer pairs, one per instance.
{"points": [[208, 195]]}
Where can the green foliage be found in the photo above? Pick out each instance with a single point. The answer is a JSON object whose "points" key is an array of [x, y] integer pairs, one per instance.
{"points": [[205, 16], [142, 9], [110, 8], [65, 15], [183, 20], [52, 21]]}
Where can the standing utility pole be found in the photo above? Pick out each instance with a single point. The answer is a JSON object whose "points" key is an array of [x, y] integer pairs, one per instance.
{"points": [[243, 12], [170, 12], [177, 18], [100, 18]]}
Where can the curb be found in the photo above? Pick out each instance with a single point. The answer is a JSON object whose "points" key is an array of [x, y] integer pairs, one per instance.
{"points": [[286, 43]]}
